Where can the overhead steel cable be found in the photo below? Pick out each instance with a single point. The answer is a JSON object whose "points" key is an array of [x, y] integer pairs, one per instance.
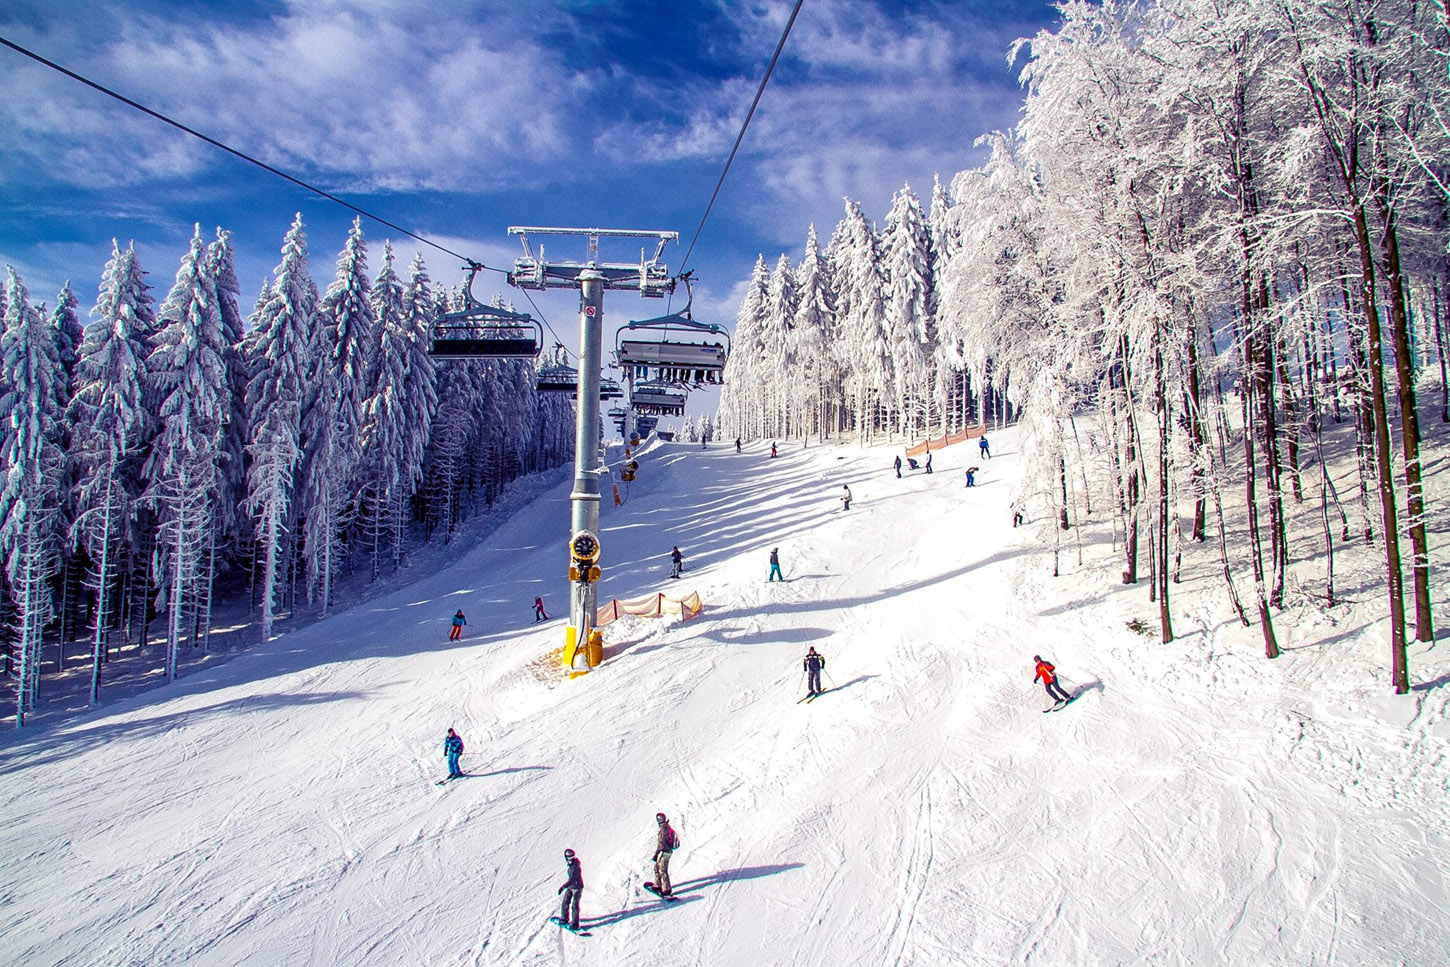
{"points": [[233, 151], [743, 127]]}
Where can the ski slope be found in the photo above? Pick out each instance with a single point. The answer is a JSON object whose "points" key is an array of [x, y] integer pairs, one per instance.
{"points": [[1196, 804]]}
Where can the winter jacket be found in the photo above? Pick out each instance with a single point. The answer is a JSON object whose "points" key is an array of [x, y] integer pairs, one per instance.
{"points": [[453, 745], [576, 875], [459, 621], [1045, 672], [676, 556], [667, 841], [814, 662], [775, 559]]}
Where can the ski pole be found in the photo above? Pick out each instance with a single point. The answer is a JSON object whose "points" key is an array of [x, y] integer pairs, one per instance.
{"points": [[801, 679]]}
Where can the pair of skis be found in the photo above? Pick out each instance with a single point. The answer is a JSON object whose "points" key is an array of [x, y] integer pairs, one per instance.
{"points": [[1059, 704], [811, 698]]}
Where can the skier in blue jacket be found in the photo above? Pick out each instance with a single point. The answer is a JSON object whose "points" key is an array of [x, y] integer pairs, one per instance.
{"points": [[458, 622], [813, 664], [452, 749]]}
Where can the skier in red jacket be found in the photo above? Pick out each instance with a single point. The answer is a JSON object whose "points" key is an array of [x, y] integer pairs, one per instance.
{"points": [[1048, 674]]}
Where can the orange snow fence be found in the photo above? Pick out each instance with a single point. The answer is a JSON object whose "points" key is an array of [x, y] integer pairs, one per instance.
{"points": [[651, 607], [926, 446]]}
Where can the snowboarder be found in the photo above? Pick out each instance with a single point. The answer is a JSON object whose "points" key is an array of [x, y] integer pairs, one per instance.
{"points": [[985, 448], [845, 497], [775, 564], [971, 476], [539, 613], [1017, 519], [1048, 674], [677, 562], [813, 664], [702, 443], [573, 886], [737, 444], [459, 621], [772, 449], [666, 843], [928, 462], [898, 466], [452, 749]]}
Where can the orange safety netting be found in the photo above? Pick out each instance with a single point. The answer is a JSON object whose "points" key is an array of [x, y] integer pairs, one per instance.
{"points": [[651, 607], [918, 449]]}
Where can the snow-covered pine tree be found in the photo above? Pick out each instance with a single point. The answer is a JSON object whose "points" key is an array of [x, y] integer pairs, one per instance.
{"points": [[383, 432], [341, 371], [910, 335], [418, 395], [69, 333], [108, 423], [862, 349], [741, 397], [230, 519], [187, 374], [30, 421], [280, 348], [777, 361], [814, 379]]}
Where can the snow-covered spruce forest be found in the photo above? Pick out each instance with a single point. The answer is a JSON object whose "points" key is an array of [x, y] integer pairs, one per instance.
{"points": [[159, 453], [1217, 238]]}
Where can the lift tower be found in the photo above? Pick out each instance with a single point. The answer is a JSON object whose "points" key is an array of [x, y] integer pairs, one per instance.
{"points": [[591, 277]]}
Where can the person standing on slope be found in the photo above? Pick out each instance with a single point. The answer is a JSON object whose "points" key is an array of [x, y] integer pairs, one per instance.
{"points": [[928, 461], [775, 564], [1048, 674], [666, 842], [452, 750], [984, 447], [897, 466], [573, 886], [539, 614], [772, 449], [845, 497], [456, 631], [677, 562], [737, 444], [813, 664]]}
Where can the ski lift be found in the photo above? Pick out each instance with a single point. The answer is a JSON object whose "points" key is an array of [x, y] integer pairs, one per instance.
{"points": [[658, 398], [557, 376], [609, 389], [684, 351], [478, 331]]}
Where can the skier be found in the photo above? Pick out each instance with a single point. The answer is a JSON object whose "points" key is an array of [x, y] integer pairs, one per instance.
{"points": [[677, 562], [666, 843], [772, 449], [452, 749], [845, 497], [1048, 674], [573, 886], [458, 622], [775, 564], [898, 466], [813, 664], [737, 444], [985, 448], [1017, 518], [928, 461], [971, 476], [702, 443], [539, 614]]}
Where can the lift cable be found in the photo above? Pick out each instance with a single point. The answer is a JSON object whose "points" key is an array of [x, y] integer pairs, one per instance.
{"points": [[233, 151], [741, 137]]}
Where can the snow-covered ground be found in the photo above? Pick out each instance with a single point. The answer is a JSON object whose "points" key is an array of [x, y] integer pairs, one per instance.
{"points": [[1197, 804]]}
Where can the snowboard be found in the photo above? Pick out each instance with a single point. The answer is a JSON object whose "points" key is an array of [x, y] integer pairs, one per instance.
{"points": [[579, 932], [656, 891]]}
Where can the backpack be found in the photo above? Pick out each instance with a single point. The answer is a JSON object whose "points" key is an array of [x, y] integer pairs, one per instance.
{"points": [[674, 839]]}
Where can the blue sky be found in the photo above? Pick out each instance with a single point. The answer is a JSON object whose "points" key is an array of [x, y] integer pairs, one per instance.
{"points": [[458, 119]]}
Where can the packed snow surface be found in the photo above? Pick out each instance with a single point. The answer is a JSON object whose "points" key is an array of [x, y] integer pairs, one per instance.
{"points": [[1197, 804]]}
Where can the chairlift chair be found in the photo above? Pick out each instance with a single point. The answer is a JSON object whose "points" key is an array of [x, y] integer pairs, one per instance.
{"points": [[477, 331], [557, 376], [673, 349]]}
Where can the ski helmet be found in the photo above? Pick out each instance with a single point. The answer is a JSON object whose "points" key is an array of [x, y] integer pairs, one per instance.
{"points": [[660, 817], [568, 854], [1036, 657]]}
